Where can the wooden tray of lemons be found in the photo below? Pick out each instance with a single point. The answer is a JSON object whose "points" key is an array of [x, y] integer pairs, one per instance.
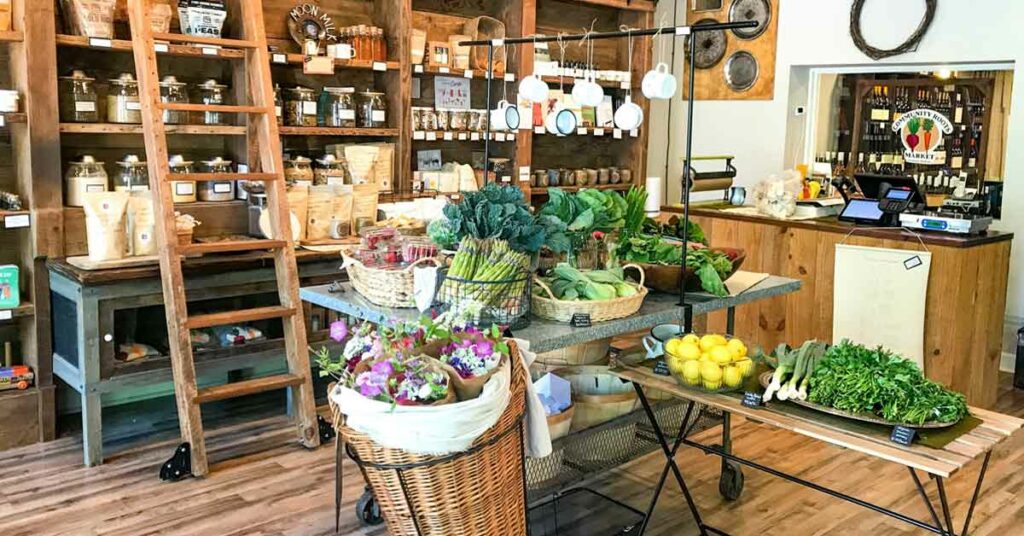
{"points": [[712, 363]]}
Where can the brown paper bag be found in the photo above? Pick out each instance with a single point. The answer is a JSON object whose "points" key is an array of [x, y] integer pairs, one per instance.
{"points": [[298, 202]]}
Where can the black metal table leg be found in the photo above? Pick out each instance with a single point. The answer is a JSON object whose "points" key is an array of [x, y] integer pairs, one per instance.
{"points": [[946, 514], [977, 492], [924, 495], [665, 469], [337, 484]]}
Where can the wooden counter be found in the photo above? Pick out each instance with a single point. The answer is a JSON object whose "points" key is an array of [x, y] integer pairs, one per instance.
{"points": [[966, 290]]}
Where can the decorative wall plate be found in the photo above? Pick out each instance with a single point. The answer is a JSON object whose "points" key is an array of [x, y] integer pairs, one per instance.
{"points": [[741, 71], [747, 10], [710, 46]]}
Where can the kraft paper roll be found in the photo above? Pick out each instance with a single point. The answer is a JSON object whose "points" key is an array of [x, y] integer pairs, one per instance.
{"points": [[708, 185], [655, 196]]}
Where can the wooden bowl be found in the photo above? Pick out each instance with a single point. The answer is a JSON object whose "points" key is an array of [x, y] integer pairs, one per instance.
{"points": [[666, 278]]}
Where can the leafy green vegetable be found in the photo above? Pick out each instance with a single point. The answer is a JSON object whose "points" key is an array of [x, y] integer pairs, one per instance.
{"points": [[581, 214], [497, 212], [858, 379], [710, 266], [674, 227], [568, 283], [442, 232]]}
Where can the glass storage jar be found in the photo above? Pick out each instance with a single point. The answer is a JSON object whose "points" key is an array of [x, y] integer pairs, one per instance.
{"points": [[278, 105], [85, 175], [175, 92], [182, 191], [133, 176], [78, 100], [339, 107], [300, 107], [331, 170], [298, 170], [123, 104], [220, 191], [211, 92], [372, 110]]}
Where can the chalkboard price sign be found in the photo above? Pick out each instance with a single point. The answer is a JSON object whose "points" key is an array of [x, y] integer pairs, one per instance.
{"points": [[901, 435], [661, 368], [752, 400], [580, 320]]}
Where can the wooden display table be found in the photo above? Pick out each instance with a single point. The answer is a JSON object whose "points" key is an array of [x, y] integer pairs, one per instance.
{"points": [[871, 440], [964, 315]]}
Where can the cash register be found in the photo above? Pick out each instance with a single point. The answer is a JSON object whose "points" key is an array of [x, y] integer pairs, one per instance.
{"points": [[895, 201]]}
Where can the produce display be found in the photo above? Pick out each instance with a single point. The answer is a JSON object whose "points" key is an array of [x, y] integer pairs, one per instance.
{"points": [[493, 212], [674, 228], [712, 361], [568, 283], [487, 272], [860, 380], [581, 214]]}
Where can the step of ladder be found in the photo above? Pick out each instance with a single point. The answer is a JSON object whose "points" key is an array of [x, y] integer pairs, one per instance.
{"points": [[200, 177], [232, 317], [231, 246], [247, 387], [223, 108], [201, 40]]}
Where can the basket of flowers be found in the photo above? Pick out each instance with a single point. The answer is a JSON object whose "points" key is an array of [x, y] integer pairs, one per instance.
{"points": [[437, 437]]}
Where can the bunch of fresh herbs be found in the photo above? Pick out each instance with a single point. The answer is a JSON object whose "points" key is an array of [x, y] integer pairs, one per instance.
{"points": [[497, 212]]}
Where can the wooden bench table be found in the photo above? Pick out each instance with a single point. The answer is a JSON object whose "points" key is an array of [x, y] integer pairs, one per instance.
{"points": [[872, 440]]}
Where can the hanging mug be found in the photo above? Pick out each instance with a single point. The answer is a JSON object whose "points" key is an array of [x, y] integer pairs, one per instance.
{"points": [[658, 83], [629, 115], [505, 116], [586, 91], [533, 88], [561, 121]]}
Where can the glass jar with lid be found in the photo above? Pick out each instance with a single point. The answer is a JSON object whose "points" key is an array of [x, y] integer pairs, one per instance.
{"points": [[371, 110], [123, 104], [300, 107], [84, 176], [278, 105], [211, 92], [298, 170], [182, 191], [220, 191], [331, 171], [78, 100], [339, 107], [175, 92], [133, 176]]}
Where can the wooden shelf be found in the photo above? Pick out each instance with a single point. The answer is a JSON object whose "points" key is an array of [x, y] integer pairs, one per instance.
{"points": [[26, 309], [448, 71], [627, 5], [330, 131], [592, 133], [19, 214], [117, 128], [454, 136], [357, 65], [123, 45], [621, 186], [14, 117], [12, 36], [569, 82]]}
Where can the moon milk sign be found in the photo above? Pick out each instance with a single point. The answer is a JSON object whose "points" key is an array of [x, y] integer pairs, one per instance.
{"points": [[921, 132], [307, 23]]}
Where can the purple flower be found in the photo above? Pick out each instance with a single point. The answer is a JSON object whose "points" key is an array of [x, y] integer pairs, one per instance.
{"points": [[339, 330], [373, 383]]}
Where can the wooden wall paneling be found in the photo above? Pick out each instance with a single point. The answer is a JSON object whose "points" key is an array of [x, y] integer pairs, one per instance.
{"points": [[343, 12], [395, 16], [520, 18], [642, 54]]}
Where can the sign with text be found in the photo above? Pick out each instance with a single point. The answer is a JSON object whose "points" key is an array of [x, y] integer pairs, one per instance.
{"points": [[921, 132], [451, 93]]}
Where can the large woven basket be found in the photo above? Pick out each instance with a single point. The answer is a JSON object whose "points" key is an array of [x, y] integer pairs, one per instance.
{"points": [[599, 311], [387, 288], [480, 491]]}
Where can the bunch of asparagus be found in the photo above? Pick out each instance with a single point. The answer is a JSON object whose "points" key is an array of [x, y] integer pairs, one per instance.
{"points": [[486, 271], [794, 369]]}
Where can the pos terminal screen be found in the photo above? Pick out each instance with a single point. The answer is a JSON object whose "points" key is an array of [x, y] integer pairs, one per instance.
{"points": [[861, 210]]}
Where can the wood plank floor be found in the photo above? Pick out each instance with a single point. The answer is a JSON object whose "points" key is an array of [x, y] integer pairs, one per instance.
{"points": [[268, 485]]}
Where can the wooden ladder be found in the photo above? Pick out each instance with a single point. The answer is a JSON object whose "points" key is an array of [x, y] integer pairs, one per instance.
{"points": [[263, 125]]}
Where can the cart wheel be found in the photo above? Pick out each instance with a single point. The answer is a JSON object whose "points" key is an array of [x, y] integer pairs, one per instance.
{"points": [[730, 485], [367, 509]]}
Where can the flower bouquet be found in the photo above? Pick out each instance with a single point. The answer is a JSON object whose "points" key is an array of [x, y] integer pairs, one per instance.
{"points": [[471, 357], [416, 381]]}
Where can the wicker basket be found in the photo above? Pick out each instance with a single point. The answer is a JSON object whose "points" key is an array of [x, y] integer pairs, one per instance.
{"points": [[599, 311], [588, 353], [387, 288], [597, 395], [480, 491], [485, 29]]}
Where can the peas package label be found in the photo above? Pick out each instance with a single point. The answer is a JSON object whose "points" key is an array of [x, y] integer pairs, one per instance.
{"points": [[9, 297]]}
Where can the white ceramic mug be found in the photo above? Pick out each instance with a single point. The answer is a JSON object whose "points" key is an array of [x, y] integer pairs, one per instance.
{"points": [[654, 347], [533, 89], [561, 121], [629, 116], [658, 83], [341, 51], [505, 116], [587, 92]]}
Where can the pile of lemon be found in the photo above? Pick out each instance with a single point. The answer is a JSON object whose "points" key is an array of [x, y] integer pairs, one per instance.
{"points": [[710, 361]]}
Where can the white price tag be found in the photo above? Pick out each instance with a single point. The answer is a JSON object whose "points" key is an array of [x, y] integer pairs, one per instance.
{"points": [[456, 196], [599, 132], [475, 136], [501, 136], [417, 68], [468, 73], [506, 178], [463, 136], [380, 66], [161, 47], [100, 42], [211, 51], [582, 131], [497, 42], [133, 106], [634, 133], [510, 77], [279, 58], [3, 120], [617, 133], [16, 222], [6, 314], [448, 136], [431, 136], [538, 130], [511, 137], [419, 135], [443, 70], [683, 30], [623, 85], [222, 187], [308, 108]]}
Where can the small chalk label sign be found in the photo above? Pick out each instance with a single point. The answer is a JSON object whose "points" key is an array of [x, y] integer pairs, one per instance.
{"points": [[752, 400], [901, 435], [661, 368], [580, 320], [912, 262]]}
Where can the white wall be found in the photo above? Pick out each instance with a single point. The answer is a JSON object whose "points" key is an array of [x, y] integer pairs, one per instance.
{"points": [[816, 33]]}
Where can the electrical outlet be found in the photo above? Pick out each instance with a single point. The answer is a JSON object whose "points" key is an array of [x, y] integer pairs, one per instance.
{"points": [[799, 110]]}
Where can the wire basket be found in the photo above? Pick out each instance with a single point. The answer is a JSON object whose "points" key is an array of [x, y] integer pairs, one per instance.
{"points": [[504, 302]]}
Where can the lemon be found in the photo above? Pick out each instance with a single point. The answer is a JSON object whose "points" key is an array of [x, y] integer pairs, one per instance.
{"points": [[689, 352], [721, 355], [675, 363], [712, 385], [691, 372], [737, 346], [672, 346], [746, 367], [710, 371], [690, 338], [707, 342], [732, 377]]}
